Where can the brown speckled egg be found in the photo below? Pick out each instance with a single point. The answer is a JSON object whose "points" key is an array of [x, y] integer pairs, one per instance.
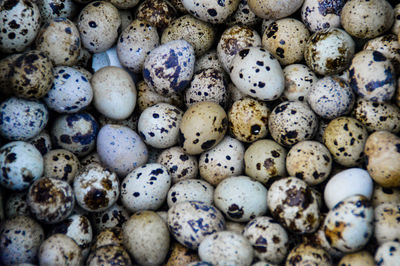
{"points": [[382, 151], [202, 127], [286, 40], [50, 200], [181, 255], [20, 239], [306, 254], [215, 12], [209, 60], [109, 236], [321, 14], [349, 224], [345, 138], [382, 195], [6, 66], [329, 51], [377, 116], [273, 9], [54, 9], [291, 122], [293, 203], [299, 79], [61, 164], [388, 254], [159, 13], [109, 255], [146, 237], [20, 25], [124, 4], [147, 97], [233, 40], [367, 19], [243, 16], [96, 188], [32, 75], [387, 222], [196, 32], [358, 258], [42, 142], [98, 25], [115, 216], [265, 159], [60, 249], [248, 119]]}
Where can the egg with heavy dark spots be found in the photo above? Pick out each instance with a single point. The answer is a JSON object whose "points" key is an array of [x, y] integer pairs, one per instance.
{"points": [[61, 164], [159, 13], [110, 254], [56, 9], [115, 216], [321, 14]]}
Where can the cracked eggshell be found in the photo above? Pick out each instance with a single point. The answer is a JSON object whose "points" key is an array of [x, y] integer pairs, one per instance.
{"points": [[61, 164], [387, 222], [190, 190], [299, 80], [60, 249], [273, 9], [215, 12], [320, 14]]}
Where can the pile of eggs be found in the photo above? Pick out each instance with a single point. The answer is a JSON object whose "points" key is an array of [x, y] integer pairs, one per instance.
{"points": [[198, 132]]}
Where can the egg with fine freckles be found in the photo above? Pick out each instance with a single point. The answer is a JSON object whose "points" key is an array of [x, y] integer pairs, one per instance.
{"points": [[60, 248], [387, 222]]}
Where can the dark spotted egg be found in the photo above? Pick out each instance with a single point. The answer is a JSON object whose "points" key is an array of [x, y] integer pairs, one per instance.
{"points": [[320, 14], [61, 164], [215, 12]]}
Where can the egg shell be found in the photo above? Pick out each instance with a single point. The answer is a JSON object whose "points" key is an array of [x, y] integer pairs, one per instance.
{"points": [[110, 255], [16, 205], [191, 221], [318, 15], [209, 60], [396, 23], [349, 224], [268, 238], [22, 164], [181, 255], [6, 66], [293, 204], [130, 122], [42, 142], [387, 222], [135, 43], [168, 68], [358, 258], [55, 9], [308, 255], [234, 226], [226, 248], [214, 12], [61, 164], [243, 16], [145, 188], [110, 236], [202, 127], [96, 188], [20, 25], [222, 161], [20, 239], [61, 249], [124, 4], [147, 97], [126, 18], [299, 79], [115, 216], [385, 195], [388, 253], [146, 237], [98, 24], [353, 181], [272, 9], [158, 13], [190, 190]]}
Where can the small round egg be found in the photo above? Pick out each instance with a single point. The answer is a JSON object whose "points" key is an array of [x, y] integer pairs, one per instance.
{"points": [[243, 16], [318, 15], [191, 221], [387, 222], [226, 248], [306, 254], [42, 142], [388, 254], [110, 236], [213, 12], [181, 255], [273, 9], [382, 195], [190, 190], [109, 255], [159, 13], [146, 237], [345, 138], [358, 258], [54, 9], [209, 60], [222, 161], [115, 216], [202, 127], [126, 17], [60, 249], [16, 205], [148, 97], [21, 165], [168, 68], [96, 188], [145, 188], [61, 164], [299, 80]]}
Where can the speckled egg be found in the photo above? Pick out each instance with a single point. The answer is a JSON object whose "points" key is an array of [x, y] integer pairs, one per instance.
{"points": [[268, 238], [32, 75], [321, 14], [382, 195], [130, 122], [159, 13], [202, 127], [272, 9], [299, 79], [109, 255], [6, 66], [146, 237], [98, 24], [377, 116], [124, 4], [291, 122], [349, 224], [115, 216], [54, 9], [71, 91], [264, 159], [293, 203], [352, 181], [286, 40], [309, 160], [241, 198], [233, 40], [75, 132], [387, 222], [367, 19], [388, 254], [358, 258], [168, 68], [61, 41], [180, 166], [60, 249], [61, 164], [306, 254], [20, 239], [331, 97], [382, 152], [20, 25], [111, 236], [329, 51], [222, 161], [345, 138], [21, 164], [145, 188], [159, 125], [243, 16], [248, 119], [126, 17], [135, 43], [148, 97], [191, 221], [215, 12], [181, 255], [209, 60], [42, 142], [96, 188], [372, 76], [16, 205], [226, 248], [189, 190]]}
